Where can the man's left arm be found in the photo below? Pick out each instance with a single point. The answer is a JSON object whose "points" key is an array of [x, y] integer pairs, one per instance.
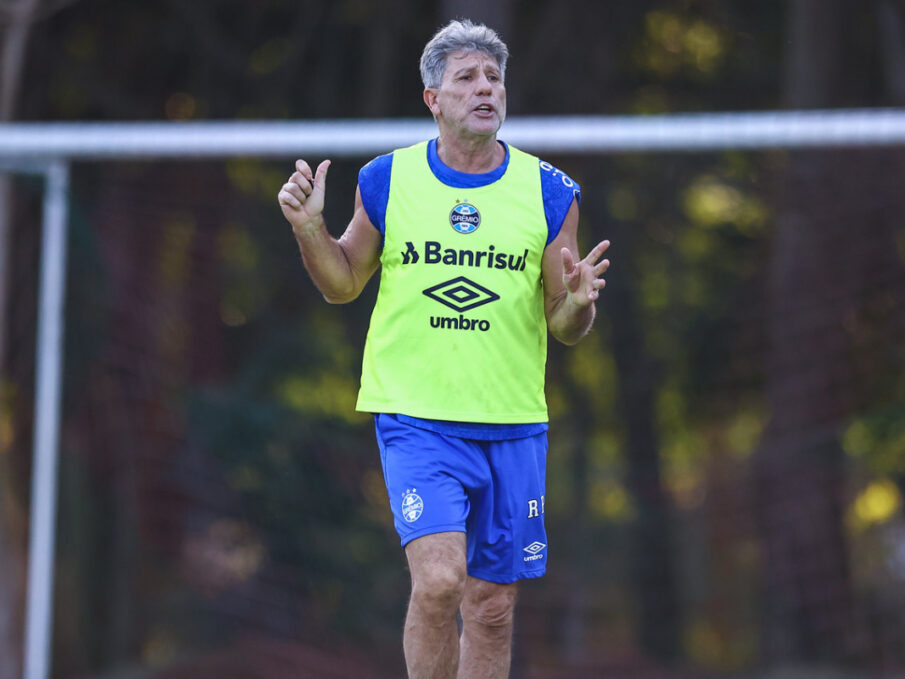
{"points": [[572, 285]]}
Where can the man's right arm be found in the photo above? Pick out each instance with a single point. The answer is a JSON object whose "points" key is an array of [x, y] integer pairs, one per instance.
{"points": [[339, 268]]}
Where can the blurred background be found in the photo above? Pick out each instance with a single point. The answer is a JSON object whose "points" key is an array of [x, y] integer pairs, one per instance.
{"points": [[727, 447]]}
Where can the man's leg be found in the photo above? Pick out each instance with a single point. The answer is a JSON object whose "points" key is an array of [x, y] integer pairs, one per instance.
{"points": [[431, 638], [487, 616]]}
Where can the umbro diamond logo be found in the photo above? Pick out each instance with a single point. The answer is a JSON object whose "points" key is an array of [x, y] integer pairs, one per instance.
{"points": [[461, 294], [534, 549]]}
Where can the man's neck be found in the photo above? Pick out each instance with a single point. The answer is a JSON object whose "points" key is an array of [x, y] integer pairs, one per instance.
{"points": [[474, 156]]}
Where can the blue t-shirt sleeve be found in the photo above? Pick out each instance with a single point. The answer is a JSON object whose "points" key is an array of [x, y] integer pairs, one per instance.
{"points": [[374, 185], [558, 190]]}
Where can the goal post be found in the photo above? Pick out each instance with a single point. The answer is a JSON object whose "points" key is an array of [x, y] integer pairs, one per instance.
{"points": [[48, 382]]}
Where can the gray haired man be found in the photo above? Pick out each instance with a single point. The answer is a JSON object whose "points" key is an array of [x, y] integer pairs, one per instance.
{"points": [[477, 246]]}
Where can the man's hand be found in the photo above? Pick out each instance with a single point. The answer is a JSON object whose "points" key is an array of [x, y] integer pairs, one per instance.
{"points": [[302, 197], [583, 281]]}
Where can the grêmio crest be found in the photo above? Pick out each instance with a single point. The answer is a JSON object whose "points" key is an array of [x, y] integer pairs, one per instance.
{"points": [[465, 218]]}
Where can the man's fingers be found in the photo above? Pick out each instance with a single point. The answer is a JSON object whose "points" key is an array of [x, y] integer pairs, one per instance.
{"points": [[597, 251], [303, 176], [303, 168], [304, 184], [601, 267], [290, 201], [298, 187], [288, 195]]}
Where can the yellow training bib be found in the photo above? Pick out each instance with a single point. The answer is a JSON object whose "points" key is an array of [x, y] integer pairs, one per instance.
{"points": [[458, 330]]}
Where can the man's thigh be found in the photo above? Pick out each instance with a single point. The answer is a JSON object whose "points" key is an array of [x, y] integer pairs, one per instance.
{"points": [[491, 491], [507, 538], [428, 476]]}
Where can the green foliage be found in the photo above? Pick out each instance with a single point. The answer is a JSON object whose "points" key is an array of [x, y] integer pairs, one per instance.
{"points": [[298, 462]]}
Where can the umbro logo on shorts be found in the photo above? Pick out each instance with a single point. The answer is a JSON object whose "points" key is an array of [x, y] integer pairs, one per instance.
{"points": [[535, 549]]}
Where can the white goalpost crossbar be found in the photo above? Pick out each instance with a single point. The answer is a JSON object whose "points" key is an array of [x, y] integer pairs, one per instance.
{"points": [[48, 149], [553, 134]]}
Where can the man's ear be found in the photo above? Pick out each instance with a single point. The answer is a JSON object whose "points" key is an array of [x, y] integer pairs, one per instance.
{"points": [[430, 100]]}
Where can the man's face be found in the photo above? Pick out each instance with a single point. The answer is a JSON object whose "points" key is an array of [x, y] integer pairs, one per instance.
{"points": [[471, 99]]}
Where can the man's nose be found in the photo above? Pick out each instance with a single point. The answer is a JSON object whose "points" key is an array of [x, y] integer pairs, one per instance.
{"points": [[483, 84]]}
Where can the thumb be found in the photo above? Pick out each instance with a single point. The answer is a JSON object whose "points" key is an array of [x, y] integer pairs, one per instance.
{"points": [[568, 262], [320, 176]]}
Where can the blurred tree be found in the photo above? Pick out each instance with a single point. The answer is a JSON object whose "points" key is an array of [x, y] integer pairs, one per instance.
{"points": [[382, 58], [498, 14], [891, 29], [815, 281], [16, 17]]}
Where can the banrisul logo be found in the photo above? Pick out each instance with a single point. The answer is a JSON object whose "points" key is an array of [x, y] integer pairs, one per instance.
{"points": [[465, 218], [435, 253]]}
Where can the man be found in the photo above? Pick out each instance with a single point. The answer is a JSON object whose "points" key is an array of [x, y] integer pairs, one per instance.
{"points": [[478, 248]]}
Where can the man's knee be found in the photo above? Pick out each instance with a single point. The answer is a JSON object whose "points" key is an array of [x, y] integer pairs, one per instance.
{"points": [[489, 605], [438, 569], [439, 592]]}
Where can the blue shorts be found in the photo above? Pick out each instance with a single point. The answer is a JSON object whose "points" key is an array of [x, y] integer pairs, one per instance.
{"points": [[493, 491]]}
